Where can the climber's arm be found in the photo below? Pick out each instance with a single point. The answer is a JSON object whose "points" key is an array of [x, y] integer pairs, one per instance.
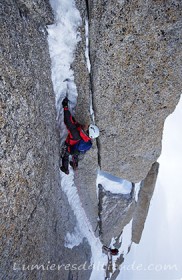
{"points": [[71, 124]]}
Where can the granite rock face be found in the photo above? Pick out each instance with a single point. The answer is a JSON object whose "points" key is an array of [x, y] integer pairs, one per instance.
{"points": [[115, 211], [85, 178], [135, 51], [86, 185], [81, 73], [135, 81], [35, 213], [143, 203]]}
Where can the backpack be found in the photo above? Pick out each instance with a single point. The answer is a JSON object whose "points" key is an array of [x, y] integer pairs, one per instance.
{"points": [[82, 146]]}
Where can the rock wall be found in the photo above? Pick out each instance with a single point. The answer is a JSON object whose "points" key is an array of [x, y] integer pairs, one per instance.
{"points": [[143, 203], [135, 79], [35, 213], [116, 211], [85, 178], [81, 73], [135, 51]]}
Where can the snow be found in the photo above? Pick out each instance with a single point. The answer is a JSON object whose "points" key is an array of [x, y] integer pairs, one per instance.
{"points": [[87, 46], [84, 228], [113, 184], [92, 114], [63, 38], [74, 238], [126, 239], [87, 56], [137, 189]]}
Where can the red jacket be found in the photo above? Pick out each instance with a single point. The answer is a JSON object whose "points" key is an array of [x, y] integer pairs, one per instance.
{"points": [[75, 131]]}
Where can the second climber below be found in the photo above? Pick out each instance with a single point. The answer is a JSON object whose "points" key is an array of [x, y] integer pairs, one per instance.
{"points": [[78, 141]]}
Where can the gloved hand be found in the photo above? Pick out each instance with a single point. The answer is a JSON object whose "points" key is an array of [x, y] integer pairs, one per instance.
{"points": [[65, 102]]}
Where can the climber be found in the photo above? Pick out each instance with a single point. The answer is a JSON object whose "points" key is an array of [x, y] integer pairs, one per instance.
{"points": [[78, 140], [113, 252]]}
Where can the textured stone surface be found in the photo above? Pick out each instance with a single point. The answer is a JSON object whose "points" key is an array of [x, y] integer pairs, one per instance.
{"points": [[116, 211], [135, 49], [85, 180], [35, 214], [85, 177], [135, 57], [143, 203], [81, 73]]}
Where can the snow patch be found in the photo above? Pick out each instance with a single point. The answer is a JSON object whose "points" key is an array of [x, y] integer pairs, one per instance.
{"points": [[84, 227], [87, 46], [137, 189], [125, 238], [87, 56], [73, 239], [63, 38], [113, 184]]}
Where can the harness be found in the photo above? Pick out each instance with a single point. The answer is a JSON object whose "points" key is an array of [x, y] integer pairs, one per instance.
{"points": [[71, 142]]}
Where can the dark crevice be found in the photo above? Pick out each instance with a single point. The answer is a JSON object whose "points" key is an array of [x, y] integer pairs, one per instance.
{"points": [[100, 209], [99, 224], [91, 82], [87, 8]]}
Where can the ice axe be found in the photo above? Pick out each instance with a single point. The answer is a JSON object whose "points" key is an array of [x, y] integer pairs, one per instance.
{"points": [[67, 90]]}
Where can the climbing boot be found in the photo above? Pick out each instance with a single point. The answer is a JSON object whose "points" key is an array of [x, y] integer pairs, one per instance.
{"points": [[73, 165], [64, 170]]}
